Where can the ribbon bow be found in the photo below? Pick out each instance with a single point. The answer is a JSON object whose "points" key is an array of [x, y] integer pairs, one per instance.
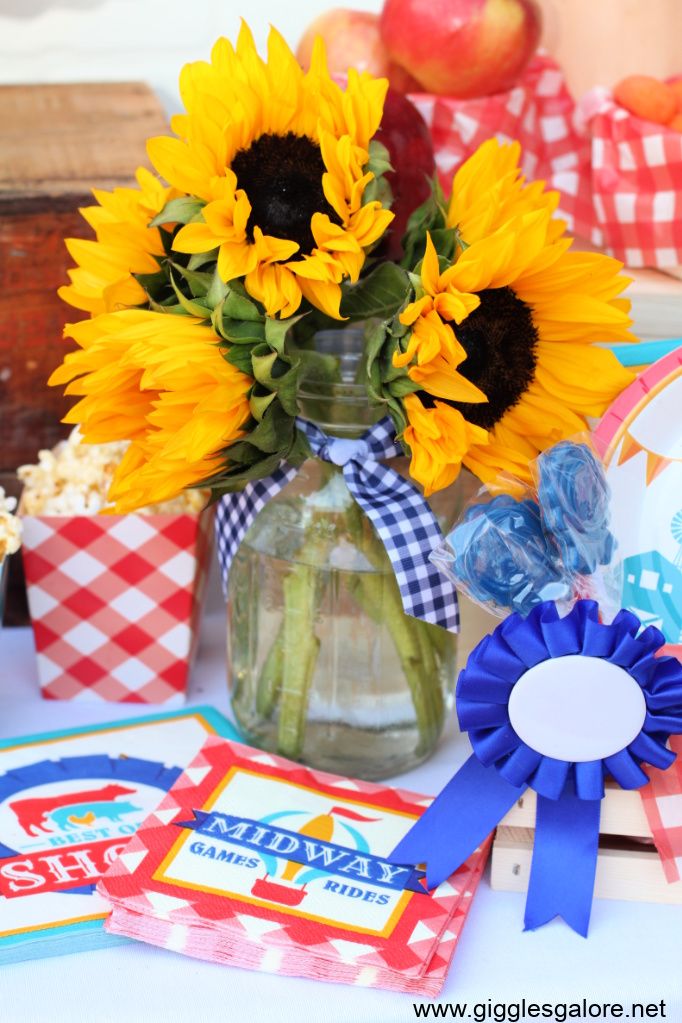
{"points": [[553, 704], [403, 520]]}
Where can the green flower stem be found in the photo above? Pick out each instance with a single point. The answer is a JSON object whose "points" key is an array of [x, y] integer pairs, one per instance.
{"points": [[300, 650], [269, 683], [381, 601], [289, 667], [270, 678], [430, 673], [420, 646]]}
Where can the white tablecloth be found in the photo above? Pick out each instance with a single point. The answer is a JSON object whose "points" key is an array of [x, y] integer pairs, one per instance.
{"points": [[633, 953]]}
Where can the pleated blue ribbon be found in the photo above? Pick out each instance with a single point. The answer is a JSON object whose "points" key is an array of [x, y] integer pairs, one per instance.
{"points": [[502, 766]]}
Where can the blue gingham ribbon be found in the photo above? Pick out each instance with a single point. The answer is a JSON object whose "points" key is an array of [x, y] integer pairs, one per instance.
{"points": [[406, 525]]}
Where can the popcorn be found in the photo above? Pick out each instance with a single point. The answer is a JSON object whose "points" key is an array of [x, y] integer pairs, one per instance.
{"points": [[74, 479], [10, 526]]}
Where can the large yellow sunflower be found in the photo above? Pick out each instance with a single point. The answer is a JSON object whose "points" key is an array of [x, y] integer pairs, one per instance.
{"points": [[163, 383], [280, 158], [515, 319], [124, 245]]}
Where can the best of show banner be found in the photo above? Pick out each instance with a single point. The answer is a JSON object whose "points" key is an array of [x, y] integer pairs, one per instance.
{"points": [[55, 871]]}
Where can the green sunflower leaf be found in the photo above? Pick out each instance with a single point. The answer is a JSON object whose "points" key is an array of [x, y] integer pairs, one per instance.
{"points": [[178, 211], [287, 390], [238, 305], [401, 386], [202, 258], [240, 474], [431, 217], [276, 331], [263, 362], [259, 403], [444, 243], [274, 430], [277, 375], [375, 339], [237, 331], [239, 356], [379, 190], [246, 462], [379, 159], [199, 282], [193, 308], [154, 285], [299, 450], [379, 295], [216, 290], [173, 309]]}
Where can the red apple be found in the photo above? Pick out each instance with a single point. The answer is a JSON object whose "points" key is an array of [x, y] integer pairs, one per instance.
{"points": [[352, 39], [405, 134], [461, 48]]}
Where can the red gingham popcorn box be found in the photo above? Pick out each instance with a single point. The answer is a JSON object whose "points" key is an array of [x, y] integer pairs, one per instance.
{"points": [[636, 183], [115, 602], [539, 112]]}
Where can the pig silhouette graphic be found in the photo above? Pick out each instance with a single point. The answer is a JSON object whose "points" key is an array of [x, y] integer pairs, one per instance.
{"points": [[33, 815], [67, 818]]}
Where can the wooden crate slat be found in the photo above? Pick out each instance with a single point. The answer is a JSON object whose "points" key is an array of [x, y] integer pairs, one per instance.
{"points": [[632, 874], [622, 813]]}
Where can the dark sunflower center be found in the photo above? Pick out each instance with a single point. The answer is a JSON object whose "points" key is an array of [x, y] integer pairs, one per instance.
{"points": [[282, 178], [500, 339]]}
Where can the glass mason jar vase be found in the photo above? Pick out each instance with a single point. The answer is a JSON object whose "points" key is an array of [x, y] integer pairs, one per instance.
{"points": [[323, 664]]}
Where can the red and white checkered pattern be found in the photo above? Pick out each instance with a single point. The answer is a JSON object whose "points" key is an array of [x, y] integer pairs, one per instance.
{"points": [[539, 113], [414, 957], [662, 799], [115, 602], [620, 178], [636, 183]]}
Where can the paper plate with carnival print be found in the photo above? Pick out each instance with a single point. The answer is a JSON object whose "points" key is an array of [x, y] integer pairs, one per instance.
{"points": [[641, 441]]}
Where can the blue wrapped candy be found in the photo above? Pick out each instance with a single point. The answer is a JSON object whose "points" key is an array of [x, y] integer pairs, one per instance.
{"points": [[498, 554], [574, 503]]}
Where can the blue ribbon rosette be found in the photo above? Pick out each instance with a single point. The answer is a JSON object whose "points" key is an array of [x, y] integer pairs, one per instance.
{"points": [[557, 705]]}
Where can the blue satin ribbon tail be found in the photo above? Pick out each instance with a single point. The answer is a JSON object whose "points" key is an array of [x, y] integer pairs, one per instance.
{"points": [[564, 862], [459, 819]]}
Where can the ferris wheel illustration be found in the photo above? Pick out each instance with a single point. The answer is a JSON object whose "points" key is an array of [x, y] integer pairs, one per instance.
{"points": [[676, 530]]}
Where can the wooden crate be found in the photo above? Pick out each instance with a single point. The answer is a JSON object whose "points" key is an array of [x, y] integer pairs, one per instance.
{"points": [[57, 142], [628, 865]]}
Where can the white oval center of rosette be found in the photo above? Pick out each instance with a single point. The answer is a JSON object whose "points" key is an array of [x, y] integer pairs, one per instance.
{"points": [[577, 708]]}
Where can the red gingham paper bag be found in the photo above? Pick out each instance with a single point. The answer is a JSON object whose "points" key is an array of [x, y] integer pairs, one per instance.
{"points": [[539, 113], [636, 183], [115, 603]]}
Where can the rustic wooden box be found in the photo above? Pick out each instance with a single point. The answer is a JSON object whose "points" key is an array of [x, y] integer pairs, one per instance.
{"points": [[57, 142], [628, 866]]}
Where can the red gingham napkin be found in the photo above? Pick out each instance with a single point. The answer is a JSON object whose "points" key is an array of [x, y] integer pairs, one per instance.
{"points": [[184, 890], [539, 112], [636, 170]]}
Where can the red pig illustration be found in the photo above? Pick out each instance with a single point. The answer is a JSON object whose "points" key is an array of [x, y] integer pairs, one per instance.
{"points": [[32, 813]]}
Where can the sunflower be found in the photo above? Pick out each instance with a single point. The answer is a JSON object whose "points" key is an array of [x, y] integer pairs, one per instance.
{"points": [[163, 383], [515, 318], [124, 245], [280, 159], [488, 190]]}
